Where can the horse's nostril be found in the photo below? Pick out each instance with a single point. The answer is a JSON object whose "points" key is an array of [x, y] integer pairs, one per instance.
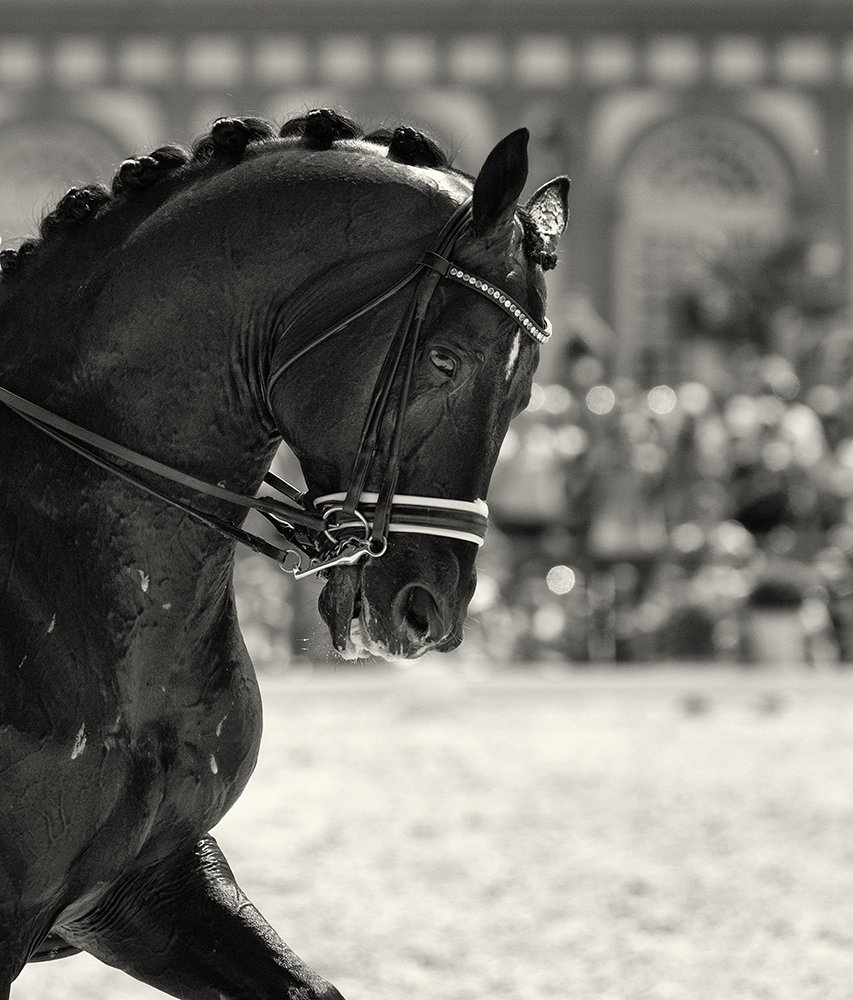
{"points": [[418, 609], [424, 616]]}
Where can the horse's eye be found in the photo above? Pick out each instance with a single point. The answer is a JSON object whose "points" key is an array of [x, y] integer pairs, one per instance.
{"points": [[447, 364]]}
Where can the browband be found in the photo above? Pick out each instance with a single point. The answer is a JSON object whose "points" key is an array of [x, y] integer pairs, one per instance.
{"points": [[447, 269]]}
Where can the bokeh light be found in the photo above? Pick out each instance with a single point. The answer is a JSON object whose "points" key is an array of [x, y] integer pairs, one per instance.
{"points": [[844, 453], [694, 397], [571, 441], [486, 595], [687, 537], [556, 399], [824, 400], [785, 384], [561, 579], [662, 399], [600, 399], [537, 398]]}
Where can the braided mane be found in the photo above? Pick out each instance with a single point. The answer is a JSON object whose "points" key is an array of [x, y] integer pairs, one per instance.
{"points": [[224, 146]]}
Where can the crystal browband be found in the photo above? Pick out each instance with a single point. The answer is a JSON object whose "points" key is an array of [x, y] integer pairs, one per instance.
{"points": [[541, 334], [462, 519]]}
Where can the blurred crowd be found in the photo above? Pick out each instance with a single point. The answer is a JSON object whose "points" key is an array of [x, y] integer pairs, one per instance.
{"points": [[706, 519], [710, 518], [675, 523]]}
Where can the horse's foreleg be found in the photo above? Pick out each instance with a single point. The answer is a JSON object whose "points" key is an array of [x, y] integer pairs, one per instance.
{"points": [[185, 927]]}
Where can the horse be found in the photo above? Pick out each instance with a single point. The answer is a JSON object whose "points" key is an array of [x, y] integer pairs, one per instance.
{"points": [[348, 292]]}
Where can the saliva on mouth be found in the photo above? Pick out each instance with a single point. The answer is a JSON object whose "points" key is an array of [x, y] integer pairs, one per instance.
{"points": [[357, 645], [355, 620]]}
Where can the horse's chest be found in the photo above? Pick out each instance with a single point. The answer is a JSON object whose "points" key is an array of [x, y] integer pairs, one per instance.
{"points": [[196, 756], [113, 788]]}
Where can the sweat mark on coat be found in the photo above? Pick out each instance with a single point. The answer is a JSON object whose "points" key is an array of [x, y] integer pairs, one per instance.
{"points": [[144, 578], [79, 743]]}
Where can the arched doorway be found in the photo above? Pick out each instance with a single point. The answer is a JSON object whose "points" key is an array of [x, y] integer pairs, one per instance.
{"points": [[692, 190]]}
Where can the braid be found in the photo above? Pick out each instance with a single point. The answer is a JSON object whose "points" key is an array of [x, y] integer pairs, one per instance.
{"points": [[415, 149], [228, 139], [74, 207], [143, 172], [225, 145], [320, 128], [12, 261]]}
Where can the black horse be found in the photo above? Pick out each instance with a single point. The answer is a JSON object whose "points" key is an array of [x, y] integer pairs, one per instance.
{"points": [[351, 294]]}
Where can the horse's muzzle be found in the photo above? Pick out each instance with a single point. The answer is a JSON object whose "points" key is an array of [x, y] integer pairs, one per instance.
{"points": [[404, 604]]}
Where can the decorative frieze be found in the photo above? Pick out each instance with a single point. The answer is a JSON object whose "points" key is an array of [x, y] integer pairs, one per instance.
{"points": [[214, 61], [609, 60], [547, 62], [477, 59], [738, 60], [411, 60], [675, 60], [280, 59], [346, 59], [808, 60], [147, 61], [543, 61], [81, 61], [21, 62]]}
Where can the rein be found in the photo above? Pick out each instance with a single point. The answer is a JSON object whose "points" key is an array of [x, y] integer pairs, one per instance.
{"points": [[338, 528]]}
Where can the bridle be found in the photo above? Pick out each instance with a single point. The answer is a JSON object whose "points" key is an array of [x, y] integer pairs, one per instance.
{"points": [[338, 528]]}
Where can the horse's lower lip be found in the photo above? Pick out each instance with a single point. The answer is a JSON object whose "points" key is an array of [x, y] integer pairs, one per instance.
{"points": [[339, 603]]}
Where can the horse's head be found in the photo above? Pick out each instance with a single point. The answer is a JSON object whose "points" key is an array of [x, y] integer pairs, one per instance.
{"points": [[470, 374]]}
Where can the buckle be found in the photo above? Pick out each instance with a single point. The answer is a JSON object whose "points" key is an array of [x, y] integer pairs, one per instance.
{"points": [[360, 522]]}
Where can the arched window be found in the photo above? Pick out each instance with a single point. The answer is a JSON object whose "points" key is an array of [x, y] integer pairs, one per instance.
{"points": [[693, 189]]}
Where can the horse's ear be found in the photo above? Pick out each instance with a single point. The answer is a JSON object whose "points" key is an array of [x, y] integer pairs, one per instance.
{"points": [[549, 209], [499, 183]]}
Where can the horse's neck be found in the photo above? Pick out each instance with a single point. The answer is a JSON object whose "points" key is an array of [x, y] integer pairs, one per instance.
{"points": [[156, 372], [161, 338], [146, 346]]}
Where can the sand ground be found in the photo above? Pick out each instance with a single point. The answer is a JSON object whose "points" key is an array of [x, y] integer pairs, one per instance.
{"points": [[654, 834]]}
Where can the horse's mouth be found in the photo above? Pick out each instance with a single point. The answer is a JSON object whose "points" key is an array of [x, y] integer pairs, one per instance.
{"points": [[340, 600], [359, 631], [346, 614], [357, 643]]}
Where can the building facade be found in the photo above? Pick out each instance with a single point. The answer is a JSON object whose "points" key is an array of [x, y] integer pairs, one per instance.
{"points": [[687, 128]]}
